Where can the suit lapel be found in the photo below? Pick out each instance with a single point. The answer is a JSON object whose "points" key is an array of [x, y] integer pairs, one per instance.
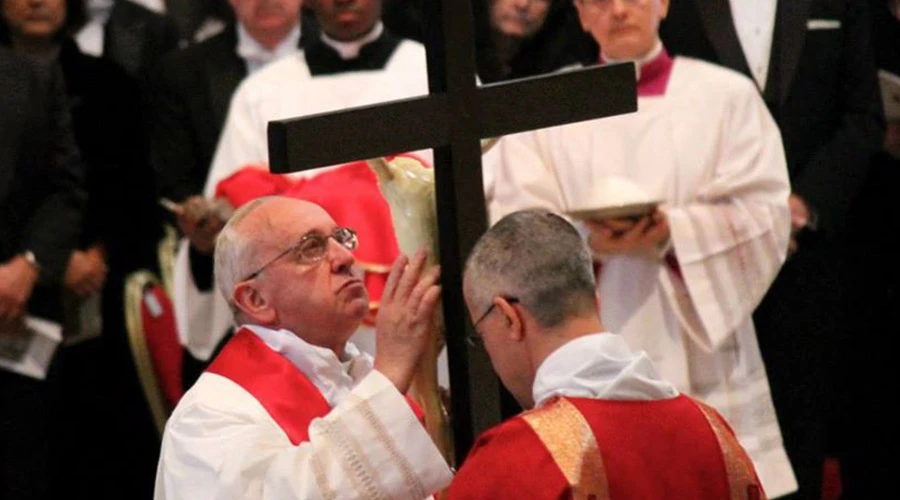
{"points": [[790, 28], [719, 25], [224, 73]]}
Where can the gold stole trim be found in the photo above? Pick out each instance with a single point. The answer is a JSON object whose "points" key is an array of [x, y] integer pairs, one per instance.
{"points": [[567, 436], [738, 467]]}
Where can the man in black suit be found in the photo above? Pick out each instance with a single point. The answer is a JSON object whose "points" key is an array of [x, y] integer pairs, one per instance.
{"points": [[819, 83], [41, 200], [131, 35]]}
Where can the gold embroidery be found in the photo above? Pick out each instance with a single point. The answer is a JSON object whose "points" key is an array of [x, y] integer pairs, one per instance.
{"points": [[738, 467], [567, 436]]}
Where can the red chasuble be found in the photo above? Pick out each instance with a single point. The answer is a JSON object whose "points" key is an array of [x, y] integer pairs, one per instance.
{"points": [[598, 449], [287, 395]]}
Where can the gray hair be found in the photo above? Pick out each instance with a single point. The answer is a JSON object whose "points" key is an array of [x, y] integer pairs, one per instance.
{"points": [[537, 257], [234, 251]]}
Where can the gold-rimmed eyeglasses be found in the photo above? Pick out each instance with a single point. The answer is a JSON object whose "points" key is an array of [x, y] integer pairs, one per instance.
{"points": [[312, 248]]}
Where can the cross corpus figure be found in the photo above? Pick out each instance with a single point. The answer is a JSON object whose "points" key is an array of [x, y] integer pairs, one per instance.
{"points": [[453, 119]]}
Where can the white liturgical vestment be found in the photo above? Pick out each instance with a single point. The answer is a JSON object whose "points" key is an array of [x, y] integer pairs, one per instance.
{"points": [[703, 143], [230, 437], [283, 89]]}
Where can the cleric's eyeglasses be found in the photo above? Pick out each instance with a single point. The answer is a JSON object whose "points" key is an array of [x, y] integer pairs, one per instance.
{"points": [[312, 248], [474, 339]]}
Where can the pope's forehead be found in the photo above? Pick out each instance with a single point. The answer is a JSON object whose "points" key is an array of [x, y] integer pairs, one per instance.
{"points": [[291, 216]]}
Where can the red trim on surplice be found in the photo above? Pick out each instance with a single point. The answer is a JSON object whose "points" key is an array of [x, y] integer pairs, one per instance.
{"points": [[287, 395]]}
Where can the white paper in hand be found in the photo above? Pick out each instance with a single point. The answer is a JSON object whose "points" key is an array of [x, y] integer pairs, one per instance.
{"points": [[890, 94], [30, 350]]}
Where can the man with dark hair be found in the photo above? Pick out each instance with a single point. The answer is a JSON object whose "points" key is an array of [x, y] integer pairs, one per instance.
{"points": [[605, 425]]}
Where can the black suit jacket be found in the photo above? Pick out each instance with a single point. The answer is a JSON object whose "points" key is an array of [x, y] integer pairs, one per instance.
{"points": [[191, 93], [136, 38], [105, 105], [821, 90], [41, 193]]}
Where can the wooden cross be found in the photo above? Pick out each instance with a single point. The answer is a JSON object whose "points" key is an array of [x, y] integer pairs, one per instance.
{"points": [[453, 119]]}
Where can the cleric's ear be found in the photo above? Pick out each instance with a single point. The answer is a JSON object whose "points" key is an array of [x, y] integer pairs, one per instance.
{"points": [[514, 322], [247, 299]]}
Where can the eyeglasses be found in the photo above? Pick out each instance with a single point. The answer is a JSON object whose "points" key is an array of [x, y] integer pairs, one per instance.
{"points": [[474, 339], [312, 248]]}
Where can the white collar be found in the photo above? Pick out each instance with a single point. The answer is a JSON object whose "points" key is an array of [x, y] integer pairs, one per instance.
{"points": [[333, 377], [599, 366], [350, 50], [252, 51]]}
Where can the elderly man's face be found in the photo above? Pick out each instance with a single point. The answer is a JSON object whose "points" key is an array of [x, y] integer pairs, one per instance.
{"points": [[322, 302], [347, 20], [625, 29], [258, 16], [519, 18]]}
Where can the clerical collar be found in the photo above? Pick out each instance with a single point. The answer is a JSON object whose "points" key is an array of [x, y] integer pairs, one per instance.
{"points": [[599, 366], [653, 71], [257, 55], [350, 50], [334, 377]]}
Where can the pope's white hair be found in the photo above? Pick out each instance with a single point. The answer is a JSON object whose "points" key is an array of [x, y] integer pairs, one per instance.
{"points": [[235, 253]]}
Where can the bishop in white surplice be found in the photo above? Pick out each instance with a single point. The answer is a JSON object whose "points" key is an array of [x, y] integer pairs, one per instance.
{"points": [[702, 142], [222, 443]]}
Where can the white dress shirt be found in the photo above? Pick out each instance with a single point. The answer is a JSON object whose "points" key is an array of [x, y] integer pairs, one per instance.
{"points": [[599, 366], [755, 24], [256, 56], [90, 37]]}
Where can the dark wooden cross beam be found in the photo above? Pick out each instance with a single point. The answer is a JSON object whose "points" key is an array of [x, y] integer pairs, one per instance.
{"points": [[453, 119]]}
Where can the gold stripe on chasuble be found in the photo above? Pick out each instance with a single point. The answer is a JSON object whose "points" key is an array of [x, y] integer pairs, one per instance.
{"points": [[567, 436], [741, 481]]}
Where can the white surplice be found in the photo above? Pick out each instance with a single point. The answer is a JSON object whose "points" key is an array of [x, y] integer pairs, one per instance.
{"points": [[710, 150], [221, 443], [283, 89]]}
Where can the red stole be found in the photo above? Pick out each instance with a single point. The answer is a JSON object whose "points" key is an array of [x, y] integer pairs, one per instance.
{"points": [[287, 395], [283, 390]]}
